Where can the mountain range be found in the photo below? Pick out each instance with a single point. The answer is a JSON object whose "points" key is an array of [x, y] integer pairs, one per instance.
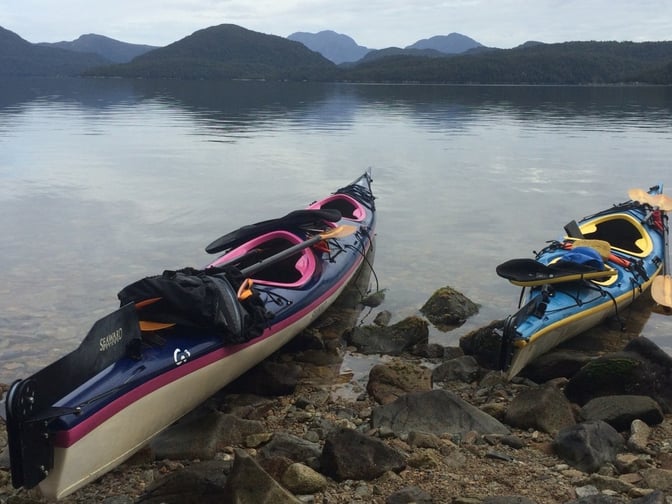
{"points": [[233, 52]]}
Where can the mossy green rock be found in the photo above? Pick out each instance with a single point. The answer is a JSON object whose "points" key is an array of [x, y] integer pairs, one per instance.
{"points": [[447, 308]]}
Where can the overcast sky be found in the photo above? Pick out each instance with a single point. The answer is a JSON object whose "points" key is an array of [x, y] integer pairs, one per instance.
{"points": [[372, 23]]}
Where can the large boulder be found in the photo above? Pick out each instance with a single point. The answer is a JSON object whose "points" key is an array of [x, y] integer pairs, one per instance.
{"points": [[436, 412], [447, 308], [389, 381], [390, 340], [543, 408], [620, 411], [348, 454], [642, 368], [589, 445]]}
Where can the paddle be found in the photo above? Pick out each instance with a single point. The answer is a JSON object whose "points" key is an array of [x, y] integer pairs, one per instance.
{"points": [[337, 232], [660, 201], [661, 288]]}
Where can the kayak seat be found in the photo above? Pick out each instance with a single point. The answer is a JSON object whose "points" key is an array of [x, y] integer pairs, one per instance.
{"points": [[293, 271], [349, 207]]}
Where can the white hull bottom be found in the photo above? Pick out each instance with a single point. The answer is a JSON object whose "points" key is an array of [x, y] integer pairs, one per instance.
{"points": [[565, 330], [118, 438]]}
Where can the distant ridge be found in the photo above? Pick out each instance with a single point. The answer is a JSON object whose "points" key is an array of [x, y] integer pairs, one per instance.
{"points": [[20, 58], [334, 46], [110, 49], [227, 52], [453, 43]]}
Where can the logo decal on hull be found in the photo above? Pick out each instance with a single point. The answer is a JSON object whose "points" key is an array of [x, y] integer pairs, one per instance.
{"points": [[181, 356]]}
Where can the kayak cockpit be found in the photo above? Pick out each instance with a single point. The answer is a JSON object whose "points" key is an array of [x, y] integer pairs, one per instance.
{"points": [[348, 206], [291, 272], [623, 232]]}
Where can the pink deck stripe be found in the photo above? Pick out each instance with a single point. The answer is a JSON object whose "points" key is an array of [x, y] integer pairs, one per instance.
{"points": [[68, 438]]}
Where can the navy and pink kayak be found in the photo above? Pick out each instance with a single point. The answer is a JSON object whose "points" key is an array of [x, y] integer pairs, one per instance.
{"points": [[181, 336]]}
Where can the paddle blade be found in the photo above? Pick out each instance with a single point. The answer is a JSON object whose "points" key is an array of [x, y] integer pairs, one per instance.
{"points": [[660, 201], [639, 195], [661, 290], [338, 232], [601, 246]]}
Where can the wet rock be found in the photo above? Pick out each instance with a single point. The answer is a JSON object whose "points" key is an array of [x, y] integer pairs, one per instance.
{"points": [[588, 445], [383, 318], [543, 408], [202, 436], [463, 368], [390, 340], [348, 454], [248, 482], [428, 350], [374, 299], [619, 411], [555, 364], [642, 368], [437, 412], [387, 382], [485, 344], [447, 308]]}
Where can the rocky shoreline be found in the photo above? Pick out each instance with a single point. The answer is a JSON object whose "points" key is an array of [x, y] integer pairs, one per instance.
{"points": [[589, 423]]}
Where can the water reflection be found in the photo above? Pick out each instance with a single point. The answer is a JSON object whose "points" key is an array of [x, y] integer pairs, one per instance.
{"points": [[105, 181]]}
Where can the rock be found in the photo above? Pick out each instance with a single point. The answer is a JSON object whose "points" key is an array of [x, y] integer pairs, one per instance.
{"points": [[374, 299], [588, 445], [508, 499], [555, 364], [463, 368], [658, 479], [543, 408], [186, 486], [642, 368], [248, 483], [290, 447], [269, 378], [437, 412], [390, 340], [485, 344], [423, 440], [383, 318], [639, 436], [301, 479], [619, 411], [201, 437], [447, 308], [410, 495], [348, 454], [389, 381]]}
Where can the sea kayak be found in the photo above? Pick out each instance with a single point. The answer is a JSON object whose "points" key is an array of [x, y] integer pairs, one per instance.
{"points": [[600, 266], [181, 336]]}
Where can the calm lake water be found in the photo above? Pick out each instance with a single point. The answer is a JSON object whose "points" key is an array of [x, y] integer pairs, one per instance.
{"points": [[103, 182]]}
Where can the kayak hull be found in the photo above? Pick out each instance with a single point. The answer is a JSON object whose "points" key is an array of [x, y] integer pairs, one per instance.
{"points": [[63, 436], [562, 307]]}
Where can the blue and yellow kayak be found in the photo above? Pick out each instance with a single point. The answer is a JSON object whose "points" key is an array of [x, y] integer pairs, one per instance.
{"points": [[601, 265]]}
